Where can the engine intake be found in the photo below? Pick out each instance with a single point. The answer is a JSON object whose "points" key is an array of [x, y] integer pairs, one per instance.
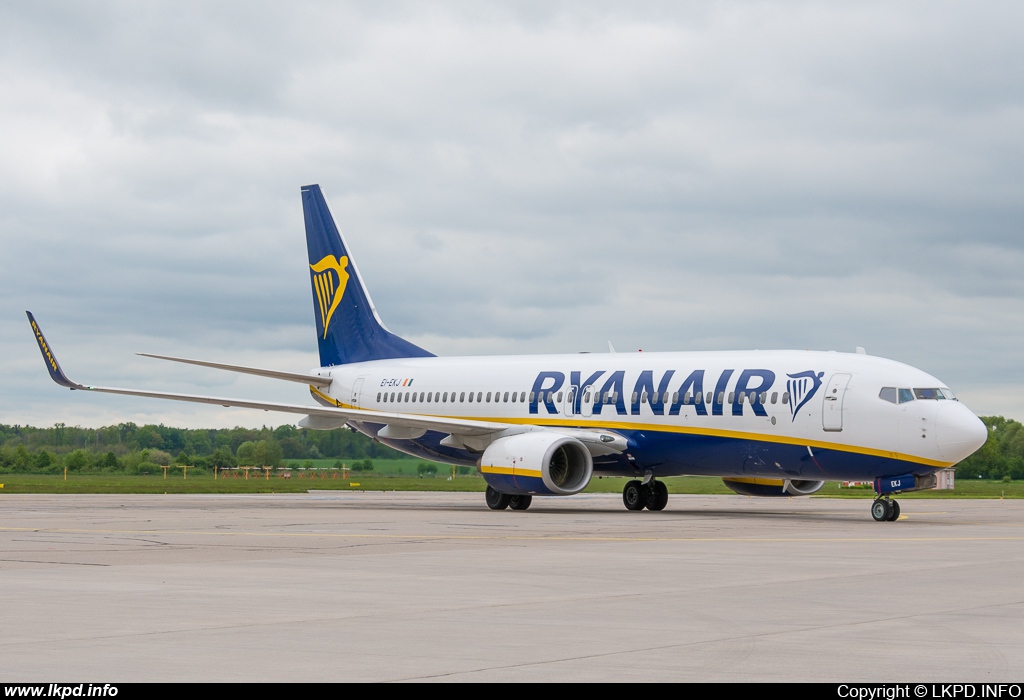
{"points": [[537, 463]]}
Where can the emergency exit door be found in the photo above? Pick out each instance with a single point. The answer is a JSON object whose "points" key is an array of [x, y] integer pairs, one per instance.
{"points": [[832, 405]]}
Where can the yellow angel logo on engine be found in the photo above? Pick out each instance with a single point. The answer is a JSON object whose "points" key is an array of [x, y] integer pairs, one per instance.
{"points": [[329, 280]]}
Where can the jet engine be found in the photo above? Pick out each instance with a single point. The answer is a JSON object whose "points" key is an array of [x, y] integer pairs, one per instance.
{"points": [[773, 487], [538, 462]]}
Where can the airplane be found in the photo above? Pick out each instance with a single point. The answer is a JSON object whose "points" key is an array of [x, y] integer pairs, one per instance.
{"points": [[773, 423]]}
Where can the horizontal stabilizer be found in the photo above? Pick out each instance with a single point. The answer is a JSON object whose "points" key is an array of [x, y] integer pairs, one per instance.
{"points": [[269, 373]]}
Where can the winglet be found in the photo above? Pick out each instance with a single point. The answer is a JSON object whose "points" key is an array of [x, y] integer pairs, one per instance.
{"points": [[56, 373]]}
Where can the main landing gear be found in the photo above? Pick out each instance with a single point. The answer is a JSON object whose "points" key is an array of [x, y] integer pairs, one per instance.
{"points": [[885, 509], [500, 501], [637, 495]]}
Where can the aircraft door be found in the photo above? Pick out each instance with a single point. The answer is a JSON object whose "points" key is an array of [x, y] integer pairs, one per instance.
{"points": [[356, 389], [587, 402], [569, 407], [832, 408]]}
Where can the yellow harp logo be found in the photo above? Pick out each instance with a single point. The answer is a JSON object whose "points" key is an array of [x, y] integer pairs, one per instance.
{"points": [[329, 280]]}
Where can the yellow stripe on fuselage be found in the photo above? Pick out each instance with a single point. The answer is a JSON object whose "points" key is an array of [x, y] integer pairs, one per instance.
{"points": [[680, 430], [328, 400]]}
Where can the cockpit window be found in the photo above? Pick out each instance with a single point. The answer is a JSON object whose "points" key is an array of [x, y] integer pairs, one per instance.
{"points": [[929, 394], [948, 394], [906, 395], [888, 393]]}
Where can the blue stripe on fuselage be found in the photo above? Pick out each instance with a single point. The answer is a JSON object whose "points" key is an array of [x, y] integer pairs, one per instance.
{"points": [[675, 454]]}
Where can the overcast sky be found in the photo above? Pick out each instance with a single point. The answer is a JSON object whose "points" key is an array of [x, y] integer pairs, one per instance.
{"points": [[512, 178]]}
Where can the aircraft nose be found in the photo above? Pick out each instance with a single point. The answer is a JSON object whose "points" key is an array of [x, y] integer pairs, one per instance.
{"points": [[959, 432]]}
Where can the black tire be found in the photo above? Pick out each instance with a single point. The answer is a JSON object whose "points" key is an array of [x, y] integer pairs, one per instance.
{"points": [[895, 512], [497, 500], [634, 495], [520, 502], [657, 498], [881, 510]]}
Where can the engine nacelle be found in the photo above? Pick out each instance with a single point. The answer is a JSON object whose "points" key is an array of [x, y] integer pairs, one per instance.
{"points": [[773, 487], [537, 462]]}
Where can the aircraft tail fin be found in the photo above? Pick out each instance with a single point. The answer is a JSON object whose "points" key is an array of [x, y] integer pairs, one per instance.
{"points": [[348, 326]]}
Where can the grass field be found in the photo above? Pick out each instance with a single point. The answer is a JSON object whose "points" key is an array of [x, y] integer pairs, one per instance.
{"points": [[382, 467], [205, 483]]}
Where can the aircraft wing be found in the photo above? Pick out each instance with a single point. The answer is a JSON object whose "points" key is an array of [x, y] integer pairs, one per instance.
{"points": [[457, 426]]}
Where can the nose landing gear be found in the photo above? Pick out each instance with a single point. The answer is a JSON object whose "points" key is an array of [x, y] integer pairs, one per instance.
{"points": [[885, 510]]}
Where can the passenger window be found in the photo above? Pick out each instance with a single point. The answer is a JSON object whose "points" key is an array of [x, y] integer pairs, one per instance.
{"points": [[378, 397], [633, 399], [785, 397], [522, 397], [471, 397], [586, 397], [730, 398], [407, 396], [430, 397], [462, 397], [643, 397], [888, 393], [686, 398], [488, 397], [445, 399], [559, 399], [763, 398], [421, 397], [506, 397], [775, 396], [906, 395]]}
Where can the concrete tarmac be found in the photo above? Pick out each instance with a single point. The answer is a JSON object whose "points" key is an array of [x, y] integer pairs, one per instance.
{"points": [[341, 586]]}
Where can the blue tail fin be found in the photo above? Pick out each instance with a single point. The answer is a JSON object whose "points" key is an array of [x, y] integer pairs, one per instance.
{"points": [[348, 328]]}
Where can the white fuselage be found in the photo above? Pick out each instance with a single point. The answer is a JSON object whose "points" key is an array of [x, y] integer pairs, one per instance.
{"points": [[726, 413]]}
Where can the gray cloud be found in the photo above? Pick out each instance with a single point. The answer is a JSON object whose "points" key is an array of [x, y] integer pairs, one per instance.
{"points": [[538, 177]]}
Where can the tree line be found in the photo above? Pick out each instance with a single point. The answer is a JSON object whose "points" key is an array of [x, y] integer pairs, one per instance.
{"points": [[131, 448]]}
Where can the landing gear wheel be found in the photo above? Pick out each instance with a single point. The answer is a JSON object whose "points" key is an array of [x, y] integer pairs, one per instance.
{"points": [[657, 496], [497, 500], [895, 507], [881, 510], [520, 502], [634, 495]]}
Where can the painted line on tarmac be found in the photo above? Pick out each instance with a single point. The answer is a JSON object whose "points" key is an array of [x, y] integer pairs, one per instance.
{"points": [[517, 538]]}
